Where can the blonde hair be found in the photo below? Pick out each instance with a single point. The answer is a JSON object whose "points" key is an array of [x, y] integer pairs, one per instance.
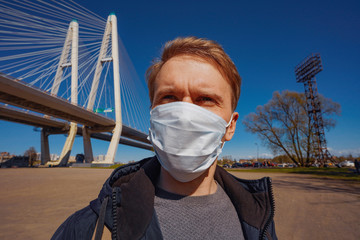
{"points": [[205, 49]]}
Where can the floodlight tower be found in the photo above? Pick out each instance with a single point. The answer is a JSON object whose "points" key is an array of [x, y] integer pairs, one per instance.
{"points": [[305, 73]]}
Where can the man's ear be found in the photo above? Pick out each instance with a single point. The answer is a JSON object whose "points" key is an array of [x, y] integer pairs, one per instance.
{"points": [[230, 131]]}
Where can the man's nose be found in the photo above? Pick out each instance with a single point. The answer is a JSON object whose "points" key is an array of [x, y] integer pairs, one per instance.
{"points": [[187, 99]]}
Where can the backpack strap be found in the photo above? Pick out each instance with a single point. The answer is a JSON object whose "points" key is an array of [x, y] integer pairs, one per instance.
{"points": [[101, 220]]}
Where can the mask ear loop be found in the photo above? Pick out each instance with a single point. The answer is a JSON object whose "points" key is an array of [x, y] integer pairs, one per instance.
{"points": [[227, 125]]}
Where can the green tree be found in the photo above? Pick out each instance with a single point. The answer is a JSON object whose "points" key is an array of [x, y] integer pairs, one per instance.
{"points": [[283, 124]]}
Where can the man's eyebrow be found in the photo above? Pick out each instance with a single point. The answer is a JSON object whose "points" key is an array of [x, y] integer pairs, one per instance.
{"points": [[167, 89], [220, 97], [211, 94]]}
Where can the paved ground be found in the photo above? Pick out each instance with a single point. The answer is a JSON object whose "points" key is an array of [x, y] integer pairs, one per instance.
{"points": [[34, 202]]}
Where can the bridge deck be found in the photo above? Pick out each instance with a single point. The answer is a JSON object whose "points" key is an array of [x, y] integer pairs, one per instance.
{"points": [[129, 136], [20, 116], [18, 94], [21, 95]]}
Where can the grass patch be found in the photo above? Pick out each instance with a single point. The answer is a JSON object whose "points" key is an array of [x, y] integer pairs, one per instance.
{"points": [[116, 166], [110, 167], [333, 173]]}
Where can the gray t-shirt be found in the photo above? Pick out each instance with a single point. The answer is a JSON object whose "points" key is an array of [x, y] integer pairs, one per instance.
{"points": [[197, 217]]}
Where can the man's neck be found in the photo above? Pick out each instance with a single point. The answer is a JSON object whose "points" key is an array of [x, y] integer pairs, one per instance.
{"points": [[203, 185]]}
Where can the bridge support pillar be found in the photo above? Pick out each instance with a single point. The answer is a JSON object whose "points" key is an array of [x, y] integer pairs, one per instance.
{"points": [[45, 151], [87, 145], [65, 154], [114, 143]]}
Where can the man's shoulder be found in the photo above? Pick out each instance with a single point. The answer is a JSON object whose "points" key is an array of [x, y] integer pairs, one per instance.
{"points": [[149, 164], [79, 225], [251, 185]]}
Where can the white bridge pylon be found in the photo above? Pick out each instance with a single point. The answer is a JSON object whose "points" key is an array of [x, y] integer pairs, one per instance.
{"points": [[110, 33], [71, 45]]}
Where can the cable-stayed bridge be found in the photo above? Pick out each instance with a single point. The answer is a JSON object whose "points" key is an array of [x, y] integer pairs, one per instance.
{"points": [[65, 80]]}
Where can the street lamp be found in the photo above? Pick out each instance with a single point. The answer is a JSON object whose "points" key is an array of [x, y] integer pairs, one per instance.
{"points": [[257, 153]]}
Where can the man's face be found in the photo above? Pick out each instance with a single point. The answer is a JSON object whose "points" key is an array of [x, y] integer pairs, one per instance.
{"points": [[193, 80]]}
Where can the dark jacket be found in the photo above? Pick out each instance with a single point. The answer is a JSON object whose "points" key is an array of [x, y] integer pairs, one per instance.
{"points": [[128, 195]]}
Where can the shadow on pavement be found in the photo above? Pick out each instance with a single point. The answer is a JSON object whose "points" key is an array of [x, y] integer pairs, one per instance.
{"points": [[324, 185]]}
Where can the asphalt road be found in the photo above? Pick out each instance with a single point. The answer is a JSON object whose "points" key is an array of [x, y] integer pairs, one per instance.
{"points": [[34, 202]]}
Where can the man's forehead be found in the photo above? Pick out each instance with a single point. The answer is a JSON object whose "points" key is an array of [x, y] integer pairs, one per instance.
{"points": [[193, 57], [187, 62]]}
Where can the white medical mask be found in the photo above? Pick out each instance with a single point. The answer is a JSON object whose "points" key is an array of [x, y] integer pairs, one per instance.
{"points": [[186, 138]]}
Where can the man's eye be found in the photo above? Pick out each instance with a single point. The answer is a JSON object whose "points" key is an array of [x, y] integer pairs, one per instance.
{"points": [[205, 99], [169, 97]]}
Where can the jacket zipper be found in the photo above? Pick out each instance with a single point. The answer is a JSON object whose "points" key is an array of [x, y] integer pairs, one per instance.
{"points": [[272, 209], [114, 229]]}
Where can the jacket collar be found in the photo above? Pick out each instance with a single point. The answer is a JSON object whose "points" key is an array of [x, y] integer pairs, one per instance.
{"points": [[135, 208], [250, 197]]}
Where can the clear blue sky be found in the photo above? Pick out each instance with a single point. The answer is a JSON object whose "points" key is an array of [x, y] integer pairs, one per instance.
{"points": [[265, 39]]}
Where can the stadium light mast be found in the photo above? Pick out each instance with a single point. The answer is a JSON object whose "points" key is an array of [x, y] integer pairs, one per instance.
{"points": [[305, 73]]}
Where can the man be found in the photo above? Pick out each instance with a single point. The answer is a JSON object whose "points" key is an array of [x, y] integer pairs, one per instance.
{"points": [[357, 166], [181, 193]]}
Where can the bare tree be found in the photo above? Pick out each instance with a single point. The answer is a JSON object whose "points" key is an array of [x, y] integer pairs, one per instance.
{"points": [[283, 124], [31, 153]]}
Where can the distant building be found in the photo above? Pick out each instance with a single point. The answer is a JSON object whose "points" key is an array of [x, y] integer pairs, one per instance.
{"points": [[54, 157], [4, 156], [100, 158]]}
